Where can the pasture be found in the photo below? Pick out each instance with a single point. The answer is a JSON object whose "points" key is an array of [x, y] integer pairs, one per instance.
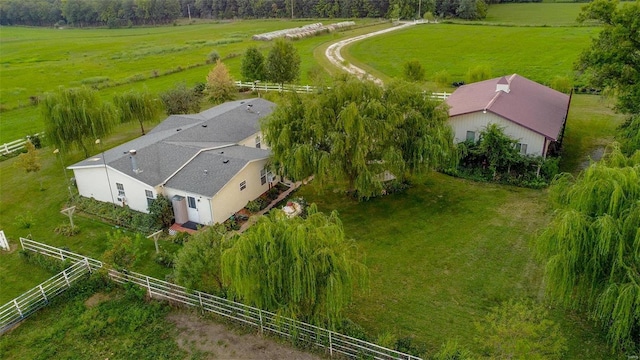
{"points": [[538, 53], [39, 60], [542, 14]]}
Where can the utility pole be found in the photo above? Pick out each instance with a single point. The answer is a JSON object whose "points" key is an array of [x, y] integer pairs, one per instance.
{"points": [[189, 11], [292, 8]]}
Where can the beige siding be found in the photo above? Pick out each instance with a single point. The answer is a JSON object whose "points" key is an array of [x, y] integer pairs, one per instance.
{"points": [[478, 121], [251, 141], [231, 199]]}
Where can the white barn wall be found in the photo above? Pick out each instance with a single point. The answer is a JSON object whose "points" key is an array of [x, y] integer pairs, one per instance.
{"points": [[230, 199], [92, 183], [478, 121]]}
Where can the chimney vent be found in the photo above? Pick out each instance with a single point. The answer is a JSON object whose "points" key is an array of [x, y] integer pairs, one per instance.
{"points": [[134, 163]]}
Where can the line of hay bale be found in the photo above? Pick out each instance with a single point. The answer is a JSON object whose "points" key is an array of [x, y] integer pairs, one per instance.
{"points": [[303, 31]]}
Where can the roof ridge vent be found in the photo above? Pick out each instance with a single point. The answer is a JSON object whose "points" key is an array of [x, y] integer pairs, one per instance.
{"points": [[503, 85]]}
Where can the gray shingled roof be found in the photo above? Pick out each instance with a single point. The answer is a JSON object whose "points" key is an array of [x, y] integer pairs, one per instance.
{"points": [[171, 144], [529, 104], [208, 172]]}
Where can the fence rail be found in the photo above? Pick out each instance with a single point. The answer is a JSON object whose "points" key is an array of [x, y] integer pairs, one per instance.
{"points": [[267, 322], [15, 145], [26, 304], [259, 86]]}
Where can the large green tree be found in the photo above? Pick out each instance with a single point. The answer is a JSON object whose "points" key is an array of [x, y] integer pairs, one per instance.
{"points": [[252, 67], [303, 268], [612, 61], [352, 134], [134, 105], [591, 249], [283, 62], [76, 117]]}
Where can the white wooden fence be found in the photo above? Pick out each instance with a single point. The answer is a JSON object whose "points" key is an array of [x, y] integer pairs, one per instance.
{"points": [[10, 147], [259, 86], [26, 304], [334, 343]]}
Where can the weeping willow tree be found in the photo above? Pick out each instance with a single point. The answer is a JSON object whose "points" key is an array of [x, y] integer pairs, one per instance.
{"points": [[592, 247], [353, 133], [75, 118], [300, 268], [133, 105]]}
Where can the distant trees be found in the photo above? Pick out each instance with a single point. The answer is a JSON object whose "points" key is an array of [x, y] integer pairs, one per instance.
{"points": [[252, 67], [591, 249], [352, 134], [283, 62], [220, 86], [134, 105], [113, 13], [76, 117]]}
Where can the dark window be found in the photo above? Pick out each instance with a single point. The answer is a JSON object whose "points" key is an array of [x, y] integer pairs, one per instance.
{"points": [[191, 201]]}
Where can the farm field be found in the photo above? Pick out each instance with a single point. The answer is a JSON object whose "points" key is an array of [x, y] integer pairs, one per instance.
{"points": [[542, 14], [152, 58], [537, 53]]}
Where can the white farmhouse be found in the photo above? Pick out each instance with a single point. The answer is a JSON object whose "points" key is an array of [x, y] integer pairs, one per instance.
{"points": [[209, 164], [530, 113]]}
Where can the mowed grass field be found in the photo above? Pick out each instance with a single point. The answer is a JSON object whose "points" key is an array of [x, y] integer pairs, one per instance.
{"points": [[542, 14], [538, 53]]}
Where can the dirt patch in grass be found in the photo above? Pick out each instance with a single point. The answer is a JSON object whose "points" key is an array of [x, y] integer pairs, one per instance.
{"points": [[210, 340], [97, 299]]}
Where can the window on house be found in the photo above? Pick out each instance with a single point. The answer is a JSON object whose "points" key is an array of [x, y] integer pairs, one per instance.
{"points": [[243, 185], [150, 197], [120, 189], [258, 145], [471, 136], [263, 176], [191, 202], [522, 148]]}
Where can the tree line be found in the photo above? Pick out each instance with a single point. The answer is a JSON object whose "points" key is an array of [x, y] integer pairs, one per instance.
{"points": [[122, 13]]}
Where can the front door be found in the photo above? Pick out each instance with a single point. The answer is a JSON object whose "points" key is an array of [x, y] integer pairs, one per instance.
{"points": [[192, 209]]}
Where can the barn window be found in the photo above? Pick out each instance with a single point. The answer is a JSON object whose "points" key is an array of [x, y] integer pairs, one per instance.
{"points": [[265, 175], [243, 185], [471, 136], [192, 202], [522, 148]]}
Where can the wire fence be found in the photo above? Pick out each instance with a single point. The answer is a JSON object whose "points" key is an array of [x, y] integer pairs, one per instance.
{"points": [[31, 301], [267, 322]]}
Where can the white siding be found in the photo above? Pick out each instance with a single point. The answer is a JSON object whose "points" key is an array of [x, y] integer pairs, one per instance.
{"points": [[203, 205], [92, 183], [478, 121], [230, 199]]}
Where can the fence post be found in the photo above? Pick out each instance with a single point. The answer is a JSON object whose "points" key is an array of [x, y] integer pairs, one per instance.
{"points": [[61, 255], [148, 286], [43, 294], [15, 302], [86, 261], [330, 345], [66, 278], [200, 299], [261, 326], [6, 148]]}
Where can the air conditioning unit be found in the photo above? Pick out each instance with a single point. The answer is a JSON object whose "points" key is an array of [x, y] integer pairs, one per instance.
{"points": [[270, 177]]}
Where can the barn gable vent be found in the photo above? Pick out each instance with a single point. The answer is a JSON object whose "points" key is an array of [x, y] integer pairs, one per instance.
{"points": [[503, 85]]}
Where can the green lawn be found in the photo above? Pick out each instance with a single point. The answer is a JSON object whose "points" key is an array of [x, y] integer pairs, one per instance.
{"points": [[535, 14], [538, 53], [443, 253]]}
